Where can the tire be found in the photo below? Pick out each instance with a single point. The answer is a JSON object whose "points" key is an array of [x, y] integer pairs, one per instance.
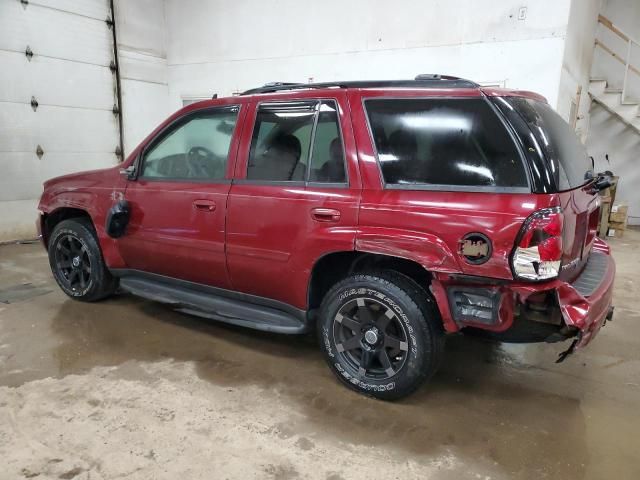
{"points": [[390, 351], [76, 261]]}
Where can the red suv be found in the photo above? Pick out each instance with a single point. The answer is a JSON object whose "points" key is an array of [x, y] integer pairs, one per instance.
{"points": [[384, 214]]}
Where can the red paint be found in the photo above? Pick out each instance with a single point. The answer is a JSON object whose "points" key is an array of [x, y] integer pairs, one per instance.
{"points": [[425, 226], [172, 244], [265, 239], [579, 207], [588, 314], [273, 240], [92, 192]]}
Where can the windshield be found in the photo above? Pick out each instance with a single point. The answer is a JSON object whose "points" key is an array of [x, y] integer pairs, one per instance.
{"points": [[568, 160]]}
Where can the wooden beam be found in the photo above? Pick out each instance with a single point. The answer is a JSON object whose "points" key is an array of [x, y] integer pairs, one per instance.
{"points": [[632, 68], [609, 24]]}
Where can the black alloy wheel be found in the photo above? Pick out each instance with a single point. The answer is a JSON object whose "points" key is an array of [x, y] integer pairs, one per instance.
{"points": [[381, 333], [370, 338], [76, 261], [73, 263]]}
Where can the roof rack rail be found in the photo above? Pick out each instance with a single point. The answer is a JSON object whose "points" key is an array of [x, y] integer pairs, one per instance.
{"points": [[279, 84], [425, 80], [436, 76]]}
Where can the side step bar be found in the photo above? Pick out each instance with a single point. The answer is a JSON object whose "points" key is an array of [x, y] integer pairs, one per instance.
{"points": [[208, 302]]}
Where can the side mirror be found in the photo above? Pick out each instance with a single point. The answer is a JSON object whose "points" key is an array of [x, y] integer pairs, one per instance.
{"points": [[129, 172]]}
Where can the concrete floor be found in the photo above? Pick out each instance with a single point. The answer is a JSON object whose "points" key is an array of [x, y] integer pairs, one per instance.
{"points": [[129, 388]]}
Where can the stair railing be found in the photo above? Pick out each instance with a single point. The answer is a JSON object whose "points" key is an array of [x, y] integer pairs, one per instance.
{"points": [[627, 59]]}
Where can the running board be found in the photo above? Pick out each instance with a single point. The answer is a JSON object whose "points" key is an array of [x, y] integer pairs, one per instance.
{"points": [[210, 302]]}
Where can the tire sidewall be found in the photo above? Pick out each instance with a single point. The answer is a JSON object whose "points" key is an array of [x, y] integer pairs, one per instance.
{"points": [[86, 239], [408, 313]]}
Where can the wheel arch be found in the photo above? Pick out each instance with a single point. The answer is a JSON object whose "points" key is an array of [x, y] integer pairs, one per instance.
{"points": [[333, 267], [53, 218]]}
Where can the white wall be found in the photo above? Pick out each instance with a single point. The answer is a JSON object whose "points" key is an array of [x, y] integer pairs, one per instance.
{"points": [[224, 47], [576, 63], [610, 135], [170, 50]]}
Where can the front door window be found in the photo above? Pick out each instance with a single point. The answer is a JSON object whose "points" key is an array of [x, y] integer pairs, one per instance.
{"points": [[196, 149]]}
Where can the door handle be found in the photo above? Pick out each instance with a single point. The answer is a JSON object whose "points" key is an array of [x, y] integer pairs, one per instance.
{"points": [[204, 205], [325, 214]]}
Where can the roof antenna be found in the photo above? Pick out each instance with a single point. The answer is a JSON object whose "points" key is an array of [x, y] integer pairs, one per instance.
{"points": [[215, 95]]}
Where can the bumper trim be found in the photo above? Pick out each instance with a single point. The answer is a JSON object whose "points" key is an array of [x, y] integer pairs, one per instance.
{"points": [[592, 275], [588, 313]]}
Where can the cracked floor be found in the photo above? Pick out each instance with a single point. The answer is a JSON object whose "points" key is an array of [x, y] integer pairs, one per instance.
{"points": [[126, 388]]}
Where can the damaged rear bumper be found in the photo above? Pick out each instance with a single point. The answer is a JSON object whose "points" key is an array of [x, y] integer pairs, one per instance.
{"points": [[572, 309], [586, 303]]}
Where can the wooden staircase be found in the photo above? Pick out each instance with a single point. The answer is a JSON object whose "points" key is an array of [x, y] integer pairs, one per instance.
{"points": [[611, 99], [616, 101]]}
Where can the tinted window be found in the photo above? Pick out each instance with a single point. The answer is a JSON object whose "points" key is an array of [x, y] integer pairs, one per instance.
{"points": [[197, 148], [458, 142], [285, 147], [567, 158], [281, 141], [327, 158]]}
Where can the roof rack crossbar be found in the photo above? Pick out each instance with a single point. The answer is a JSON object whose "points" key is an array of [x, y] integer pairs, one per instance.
{"points": [[420, 81]]}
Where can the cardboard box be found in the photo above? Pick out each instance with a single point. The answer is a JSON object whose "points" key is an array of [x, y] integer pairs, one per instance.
{"points": [[612, 232], [616, 229], [619, 213]]}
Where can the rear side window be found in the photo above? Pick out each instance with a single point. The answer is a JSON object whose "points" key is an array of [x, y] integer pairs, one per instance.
{"points": [[327, 160], [297, 141], [444, 143], [568, 161]]}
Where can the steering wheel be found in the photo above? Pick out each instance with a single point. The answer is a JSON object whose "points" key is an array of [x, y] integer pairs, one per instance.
{"points": [[200, 151], [195, 155]]}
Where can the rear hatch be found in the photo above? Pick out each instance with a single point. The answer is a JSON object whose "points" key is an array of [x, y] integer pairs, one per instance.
{"points": [[571, 171]]}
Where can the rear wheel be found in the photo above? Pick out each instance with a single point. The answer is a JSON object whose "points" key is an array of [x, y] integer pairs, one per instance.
{"points": [[381, 334], [76, 261]]}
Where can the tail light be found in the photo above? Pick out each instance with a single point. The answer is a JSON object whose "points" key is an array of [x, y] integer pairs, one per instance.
{"points": [[538, 251]]}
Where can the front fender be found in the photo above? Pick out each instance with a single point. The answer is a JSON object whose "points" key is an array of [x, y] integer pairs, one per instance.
{"points": [[93, 193], [76, 199]]}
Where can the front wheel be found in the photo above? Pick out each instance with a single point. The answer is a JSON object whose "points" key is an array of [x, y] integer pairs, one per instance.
{"points": [[76, 261], [381, 334]]}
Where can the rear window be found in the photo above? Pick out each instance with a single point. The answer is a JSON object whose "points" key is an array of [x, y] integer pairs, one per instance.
{"points": [[568, 161], [297, 141], [444, 143]]}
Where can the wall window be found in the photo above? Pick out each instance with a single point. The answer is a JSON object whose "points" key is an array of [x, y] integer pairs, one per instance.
{"points": [[297, 141], [197, 148], [189, 100], [444, 142]]}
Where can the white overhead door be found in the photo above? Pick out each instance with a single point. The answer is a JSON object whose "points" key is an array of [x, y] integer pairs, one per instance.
{"points": [[56, 101]]}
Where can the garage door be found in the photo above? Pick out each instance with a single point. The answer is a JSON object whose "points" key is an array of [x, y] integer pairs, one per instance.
{"points": [[57, 97]]}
